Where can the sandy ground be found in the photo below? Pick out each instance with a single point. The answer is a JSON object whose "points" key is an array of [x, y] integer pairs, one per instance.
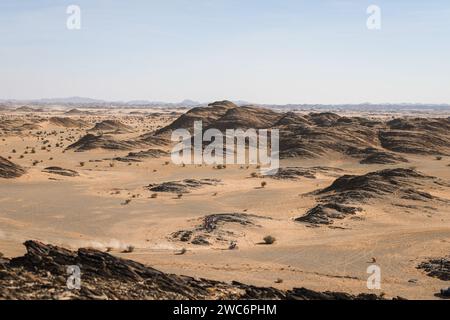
{"points": [[89, 211]]}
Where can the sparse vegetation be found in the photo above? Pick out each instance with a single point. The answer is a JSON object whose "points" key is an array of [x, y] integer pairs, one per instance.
{"points": [[128, 249], [269, 240], [232, 246], [263, 184]]}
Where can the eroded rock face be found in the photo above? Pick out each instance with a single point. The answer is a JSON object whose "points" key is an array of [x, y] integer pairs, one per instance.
{"points": [[9, 170], [42, 274]]}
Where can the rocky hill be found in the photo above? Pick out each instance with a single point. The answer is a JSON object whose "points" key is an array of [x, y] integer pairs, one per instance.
{"points": [[111, 126], [347, 194], [67, 122], [317, 134]]}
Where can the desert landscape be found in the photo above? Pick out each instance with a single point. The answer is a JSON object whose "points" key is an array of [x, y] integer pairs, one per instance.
{"points": [[356, 187]]}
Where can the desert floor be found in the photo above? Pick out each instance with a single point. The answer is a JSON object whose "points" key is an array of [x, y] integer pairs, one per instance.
{"points": [[90, 210]]}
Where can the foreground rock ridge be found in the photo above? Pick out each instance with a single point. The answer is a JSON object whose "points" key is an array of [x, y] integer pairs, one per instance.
{"points": [[42, 274]]}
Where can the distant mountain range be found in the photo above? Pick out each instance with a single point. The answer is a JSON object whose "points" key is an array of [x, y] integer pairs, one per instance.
{"points": [[97, 103], [90, 101]]}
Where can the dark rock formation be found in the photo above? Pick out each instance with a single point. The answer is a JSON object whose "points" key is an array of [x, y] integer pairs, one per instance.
{"points": [[61, 171], [245, 118], [437, 268], [372, 155], [294, 173], [418, 136], [212, 221], [184, 186], [141, 155], [326, 213], [9, 170], [213, 228]]}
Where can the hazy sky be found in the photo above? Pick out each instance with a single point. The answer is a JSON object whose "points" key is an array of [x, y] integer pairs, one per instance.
{"points": [[279, 51]]}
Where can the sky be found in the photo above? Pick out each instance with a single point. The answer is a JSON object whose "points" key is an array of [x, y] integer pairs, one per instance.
{"points": [[261, 51]]}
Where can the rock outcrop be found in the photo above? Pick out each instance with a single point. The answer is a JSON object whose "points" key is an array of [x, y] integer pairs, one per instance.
{"points": [[437, 268], [182, 186], [213, 228], [61, 171]]}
